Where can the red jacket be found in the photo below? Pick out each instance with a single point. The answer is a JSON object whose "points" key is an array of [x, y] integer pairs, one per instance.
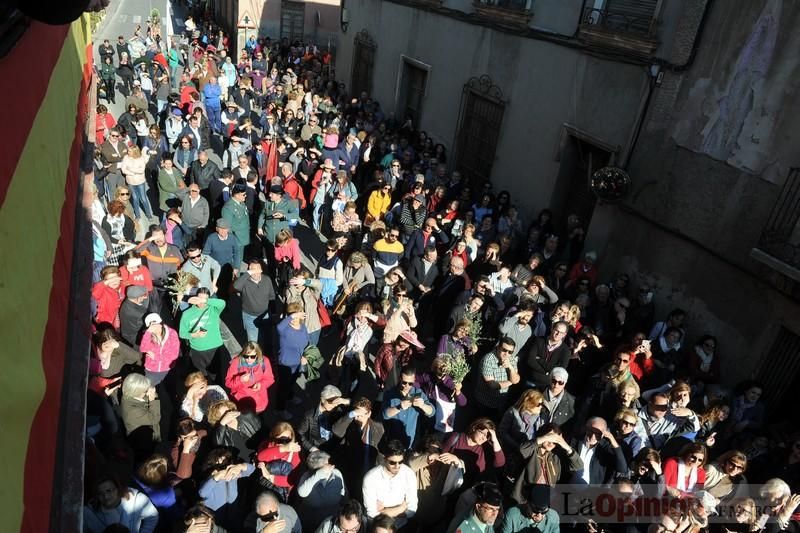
{"points": [[242, 391], [641, 366], [293, 189], [140, 277], [272, 452], [108, 302], [671, 476], [579, 272]]}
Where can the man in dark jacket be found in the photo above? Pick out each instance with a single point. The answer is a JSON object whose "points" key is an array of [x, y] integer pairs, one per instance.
{"points": [[600, 453], [131, 314], [106, 50], [428, 235], [202, 171], [316, 428], [361, 438], [422, 273], [560, 403], [546, 354]]}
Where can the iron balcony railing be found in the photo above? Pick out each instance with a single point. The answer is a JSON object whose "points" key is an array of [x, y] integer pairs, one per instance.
{"points": [[619, 22], [780, 237]]}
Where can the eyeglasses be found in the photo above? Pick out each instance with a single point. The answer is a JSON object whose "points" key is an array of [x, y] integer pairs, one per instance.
{"points": [[558, 382], [490, 508], [735, 465], [695, 459], [539, 510], [659, 406], [194, 256], [194, 190], [250, 356], [627, 423], [393, 463], [114, 136]]}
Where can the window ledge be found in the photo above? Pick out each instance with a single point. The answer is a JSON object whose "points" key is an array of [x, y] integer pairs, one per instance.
{"points": [[775, 264], [427, 3], [518, 18]]}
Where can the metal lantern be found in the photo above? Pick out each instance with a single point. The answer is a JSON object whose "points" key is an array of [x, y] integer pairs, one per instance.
{"points": [[610, 184]]}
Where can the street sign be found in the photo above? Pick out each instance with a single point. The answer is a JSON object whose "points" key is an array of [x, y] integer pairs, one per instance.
{"points": [[246, 22]]}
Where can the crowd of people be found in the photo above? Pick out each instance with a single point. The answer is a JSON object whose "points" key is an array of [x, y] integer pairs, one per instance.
{"points": [[307, 321]]}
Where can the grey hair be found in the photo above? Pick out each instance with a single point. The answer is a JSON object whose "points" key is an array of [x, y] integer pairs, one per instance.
{"points": [[266, 497], [560, 373], [135, 386], [597, 419], [775, 487], [317, 459]]}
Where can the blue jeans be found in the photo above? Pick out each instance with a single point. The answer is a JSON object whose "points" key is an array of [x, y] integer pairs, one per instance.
{"points": [[139, 198], [316, 214], [253, 325], [215, 118], [313, 338]]}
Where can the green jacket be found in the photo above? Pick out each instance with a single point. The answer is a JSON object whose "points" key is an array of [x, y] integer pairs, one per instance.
{"points": [[169, 187], [272, 226], [237, 215], [516, 522], [194, 319], [314, 362]]}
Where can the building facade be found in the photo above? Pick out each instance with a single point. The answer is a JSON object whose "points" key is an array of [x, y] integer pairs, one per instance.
{"points": [[690, 97], [314, 21], [712, 218]]}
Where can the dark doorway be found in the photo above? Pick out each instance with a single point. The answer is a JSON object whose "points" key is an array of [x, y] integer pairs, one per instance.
{"points": [[571, 195], [478, 132], [363, 63], [413, 84], [293, 17]]}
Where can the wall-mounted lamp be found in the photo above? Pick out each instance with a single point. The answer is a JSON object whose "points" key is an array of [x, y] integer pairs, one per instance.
{"points": [[344, 20]]}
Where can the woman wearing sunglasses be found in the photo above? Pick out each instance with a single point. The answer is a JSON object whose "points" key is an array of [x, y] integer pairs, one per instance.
{"points": [[686, 473], [725, 477], [631, 442], [249, 378]]}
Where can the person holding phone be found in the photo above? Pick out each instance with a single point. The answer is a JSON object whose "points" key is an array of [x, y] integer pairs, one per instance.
{"points": [[200, 325]]}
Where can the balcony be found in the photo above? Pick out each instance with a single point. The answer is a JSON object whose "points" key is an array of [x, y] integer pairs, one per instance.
{"points": [[511, 13], [618, 31]]}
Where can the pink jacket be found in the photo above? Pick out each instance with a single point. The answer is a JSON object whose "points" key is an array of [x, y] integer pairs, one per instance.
{"points": [[290, 250], [242, 391], [165, 353]]}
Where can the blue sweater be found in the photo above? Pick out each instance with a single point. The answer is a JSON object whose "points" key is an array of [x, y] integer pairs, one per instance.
{"points": [[226, 251], [291, 343], [218, 493]]}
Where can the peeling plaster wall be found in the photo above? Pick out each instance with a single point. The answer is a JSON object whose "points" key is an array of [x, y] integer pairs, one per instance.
{"points": [[717, 144]]}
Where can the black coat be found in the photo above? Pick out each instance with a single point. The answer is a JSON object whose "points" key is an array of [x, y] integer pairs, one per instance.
{"points": [[538, 363], [415, 273], [605, 463], [308, 431]]}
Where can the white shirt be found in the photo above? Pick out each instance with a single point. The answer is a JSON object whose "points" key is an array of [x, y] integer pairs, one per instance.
{"points": [[586, 455], [391, 491]]}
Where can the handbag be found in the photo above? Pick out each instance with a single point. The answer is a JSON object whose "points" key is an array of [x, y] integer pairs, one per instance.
{"points": [[324, 316]]}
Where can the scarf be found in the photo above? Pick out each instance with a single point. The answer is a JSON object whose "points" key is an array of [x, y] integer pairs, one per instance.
{"points": [[705, 359], [682, 485], [665, 347], [329, 264]]}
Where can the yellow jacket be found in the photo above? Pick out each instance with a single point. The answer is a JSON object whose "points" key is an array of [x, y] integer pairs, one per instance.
{"points": [[378, 204]]}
